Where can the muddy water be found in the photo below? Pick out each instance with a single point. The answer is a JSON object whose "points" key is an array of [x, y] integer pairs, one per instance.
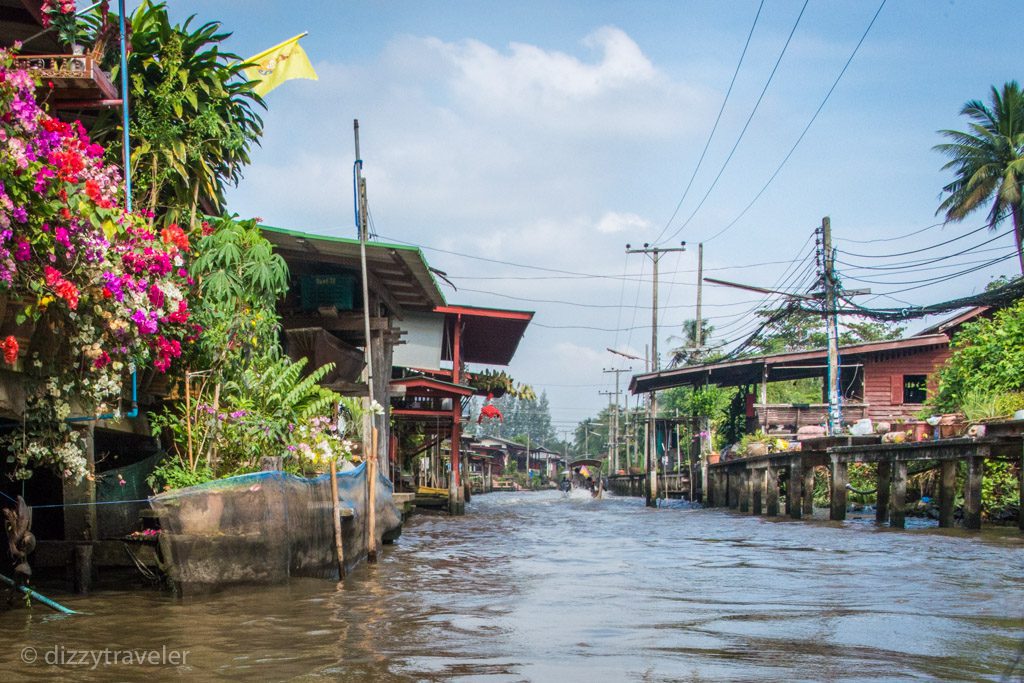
{"points": [[537, 587]]}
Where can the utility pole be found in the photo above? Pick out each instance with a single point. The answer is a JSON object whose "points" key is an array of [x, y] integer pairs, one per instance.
{"points": [[651, 469], [828, 282], [613, 461], [612, 426], [370, 434], [698, 336]]}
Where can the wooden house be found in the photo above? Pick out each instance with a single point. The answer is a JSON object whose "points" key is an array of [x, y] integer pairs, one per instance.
{"points": [[882, 380]]}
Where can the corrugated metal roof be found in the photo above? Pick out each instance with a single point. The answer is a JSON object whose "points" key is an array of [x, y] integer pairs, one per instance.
{"points": [[400, 272]]}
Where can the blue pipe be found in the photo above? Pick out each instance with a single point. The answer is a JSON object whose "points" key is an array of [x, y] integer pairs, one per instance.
{"points": [[124, 111], [36, 596], [126, 143]]}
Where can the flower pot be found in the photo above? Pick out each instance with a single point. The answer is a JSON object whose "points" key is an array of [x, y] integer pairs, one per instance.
{"points": [[713, 457]]}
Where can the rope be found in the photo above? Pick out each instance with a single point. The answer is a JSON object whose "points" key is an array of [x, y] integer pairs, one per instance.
{"points": [[865, 492]]}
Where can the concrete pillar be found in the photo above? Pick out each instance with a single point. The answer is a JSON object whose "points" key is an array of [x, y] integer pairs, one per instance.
{"points": [[883, 486], [772, 491], [947, 493], [838, 498], [898, 516], [794, 496], [972, 492], [744, 481], [757, 491], [808, 491]]}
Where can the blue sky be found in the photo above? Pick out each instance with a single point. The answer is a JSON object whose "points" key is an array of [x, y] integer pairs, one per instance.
{"points": [[550, 134]]}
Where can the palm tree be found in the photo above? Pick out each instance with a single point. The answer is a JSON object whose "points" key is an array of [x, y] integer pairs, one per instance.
{"points": [[988, 161]]}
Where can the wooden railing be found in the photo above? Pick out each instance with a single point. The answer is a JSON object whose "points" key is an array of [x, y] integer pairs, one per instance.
{"points": [[787, 418], [74, 77]]}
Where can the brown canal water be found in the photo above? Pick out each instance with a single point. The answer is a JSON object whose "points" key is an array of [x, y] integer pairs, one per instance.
{"points": [[537, 587]]}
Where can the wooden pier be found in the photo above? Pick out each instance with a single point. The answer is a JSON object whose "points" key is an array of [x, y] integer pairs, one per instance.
{"points": [[756, 485]]}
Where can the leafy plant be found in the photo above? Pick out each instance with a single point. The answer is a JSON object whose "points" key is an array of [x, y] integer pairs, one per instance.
{"points": [[988, 359], [193, 114]]}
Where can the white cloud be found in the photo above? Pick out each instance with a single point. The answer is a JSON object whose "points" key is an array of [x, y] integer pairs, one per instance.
{"points": [[613, 222]]}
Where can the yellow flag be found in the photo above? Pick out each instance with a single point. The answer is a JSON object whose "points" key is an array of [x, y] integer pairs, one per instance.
{"points": [[278, 64]]}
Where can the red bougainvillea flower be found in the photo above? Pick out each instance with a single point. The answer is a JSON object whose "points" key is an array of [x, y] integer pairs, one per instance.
{"points": [[67, 291], [175, 236], [9, 347]]}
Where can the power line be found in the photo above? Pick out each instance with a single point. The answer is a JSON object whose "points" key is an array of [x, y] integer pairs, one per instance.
{"points": [[715, 126], [806, 128], [745, 126], [916, 251]]}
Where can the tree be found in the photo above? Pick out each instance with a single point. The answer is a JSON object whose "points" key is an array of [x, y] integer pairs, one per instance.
{"points": [[802, 330], [988, 359], [988, 161], [193, 118], [689, 353]]}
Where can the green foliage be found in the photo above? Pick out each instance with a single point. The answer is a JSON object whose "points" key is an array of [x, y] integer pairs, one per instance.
{"points": [[800, 330], [193, 118], [806, 390], [175, 474], [1000, 487], [523, 416], [988, 359], [988, 161], [500, 383], [688, 353], [238, 281]]}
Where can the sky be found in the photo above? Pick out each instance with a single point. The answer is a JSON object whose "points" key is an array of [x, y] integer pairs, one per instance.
{"points": [[522, 145]]}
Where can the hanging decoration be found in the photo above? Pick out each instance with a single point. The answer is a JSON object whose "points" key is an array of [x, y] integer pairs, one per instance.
{"points": [[490, 411]]}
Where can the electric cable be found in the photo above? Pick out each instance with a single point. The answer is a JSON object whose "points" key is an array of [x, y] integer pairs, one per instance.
{"points": [[804, 132]]}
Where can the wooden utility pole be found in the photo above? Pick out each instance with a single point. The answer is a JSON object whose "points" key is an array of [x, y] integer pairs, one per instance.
{"points": [[613, 460], [650, 461], [369, 435], [698, 336]]}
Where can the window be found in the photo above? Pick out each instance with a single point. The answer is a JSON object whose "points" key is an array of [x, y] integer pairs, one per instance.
{"points": [[915, 388]]}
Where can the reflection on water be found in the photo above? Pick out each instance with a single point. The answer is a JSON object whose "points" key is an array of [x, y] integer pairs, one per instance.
{"points": [[544, 587]]}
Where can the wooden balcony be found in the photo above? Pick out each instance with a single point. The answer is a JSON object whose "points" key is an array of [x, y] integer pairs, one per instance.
{"points": [[787, 418], [77, 80]]}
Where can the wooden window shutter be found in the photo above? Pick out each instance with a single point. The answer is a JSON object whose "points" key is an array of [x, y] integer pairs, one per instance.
{"points": [[896, 389]]}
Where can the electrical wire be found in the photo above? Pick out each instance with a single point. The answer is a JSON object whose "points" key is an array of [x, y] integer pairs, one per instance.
{"points": [[714, 128], [804, 132], [743, 131], [916, 251]]}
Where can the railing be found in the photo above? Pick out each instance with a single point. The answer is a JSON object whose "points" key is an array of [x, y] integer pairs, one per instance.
{"points": [[789, 417], [72, 76]]}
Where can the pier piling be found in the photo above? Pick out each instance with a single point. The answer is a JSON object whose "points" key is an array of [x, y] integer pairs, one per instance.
{"points": [[883, 486], [899, 495], [947, 493], [839, 480], [772, 491]]}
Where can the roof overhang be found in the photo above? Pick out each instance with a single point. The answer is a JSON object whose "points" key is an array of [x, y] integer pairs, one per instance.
{"points": [[792, 365], [490, 336], [432, 388], [400, 274]]}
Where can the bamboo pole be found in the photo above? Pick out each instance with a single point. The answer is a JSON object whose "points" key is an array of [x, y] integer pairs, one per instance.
{"points": [[336, 507]]}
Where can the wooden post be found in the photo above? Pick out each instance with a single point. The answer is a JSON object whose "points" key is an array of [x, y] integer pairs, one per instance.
{"points": [[371, 503], [1020, 488], [947, 493], [899, 495], [883, 486], [772, 486], [972, 492], [733, 482], [336, 507], [838, 497], [808, 491], [83, 568], [757, 490], [794, 498], [744, 482]]}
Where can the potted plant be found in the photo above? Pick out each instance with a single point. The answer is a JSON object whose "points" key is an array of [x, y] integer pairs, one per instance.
{"points": [[60, 15]]}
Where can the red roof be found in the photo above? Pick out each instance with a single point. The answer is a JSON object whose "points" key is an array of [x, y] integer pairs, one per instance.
{"points": [[489, 335]]}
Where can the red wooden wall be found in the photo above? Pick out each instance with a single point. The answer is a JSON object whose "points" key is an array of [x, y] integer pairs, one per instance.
{"points": [[883, 381]]}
